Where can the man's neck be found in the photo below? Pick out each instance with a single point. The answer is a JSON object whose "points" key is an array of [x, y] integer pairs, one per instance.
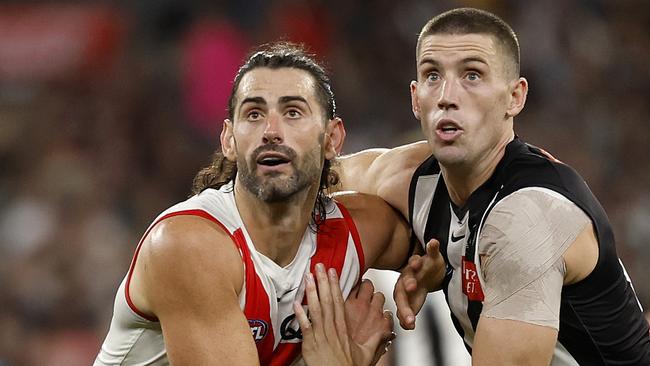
{"points": [[463, 180], [276, 229]]}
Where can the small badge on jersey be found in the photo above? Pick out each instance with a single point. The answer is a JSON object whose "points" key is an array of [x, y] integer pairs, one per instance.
{"points": [[471, 283], [259, 328]]}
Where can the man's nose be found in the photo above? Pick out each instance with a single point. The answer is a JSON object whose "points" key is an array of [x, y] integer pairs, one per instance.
{"points": [[448, 95], [273, 130]]}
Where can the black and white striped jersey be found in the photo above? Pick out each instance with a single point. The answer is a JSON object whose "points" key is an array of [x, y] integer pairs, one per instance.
{"points": [[601, 320]]}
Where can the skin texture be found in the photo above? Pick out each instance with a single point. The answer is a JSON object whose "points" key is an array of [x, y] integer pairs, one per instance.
{"points": [[462, 83], [269, 114], [325, 331], [465, 99], [277, 113]]}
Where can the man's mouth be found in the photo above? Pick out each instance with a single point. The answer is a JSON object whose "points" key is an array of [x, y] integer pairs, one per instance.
{"points": [[447, 125], [449, 129], [272, 159]]}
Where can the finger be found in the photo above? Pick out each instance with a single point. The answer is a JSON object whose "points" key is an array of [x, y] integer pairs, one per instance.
{"points": [[326, 303], [378, 300], [404, 312], [305, 325], [433, 248], [410, 284], [415, 263], [355, 291], [339, 309], [366, 290], [315, 312], [390, 324]]}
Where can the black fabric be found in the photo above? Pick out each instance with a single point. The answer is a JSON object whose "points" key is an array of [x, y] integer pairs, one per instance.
{"points": [[600, 320]]}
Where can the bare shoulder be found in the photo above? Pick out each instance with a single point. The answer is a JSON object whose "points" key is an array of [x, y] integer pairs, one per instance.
{"points": [[187, 257], [188, 235], [190, 275], [384, 172], [380, 160]]}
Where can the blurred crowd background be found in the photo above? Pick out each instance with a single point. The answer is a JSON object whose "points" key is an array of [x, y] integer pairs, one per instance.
{"points": [[109, 108]]}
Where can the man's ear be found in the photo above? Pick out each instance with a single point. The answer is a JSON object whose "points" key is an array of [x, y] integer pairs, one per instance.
{"points": [[228, 146], [334, 137], [517, 97], [415, 105]]}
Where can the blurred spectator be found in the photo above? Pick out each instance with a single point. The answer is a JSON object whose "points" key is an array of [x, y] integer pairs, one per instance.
{"points": [[213, 50]]}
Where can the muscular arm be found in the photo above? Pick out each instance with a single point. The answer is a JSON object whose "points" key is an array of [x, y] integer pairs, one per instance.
{"points": [[383, 231], [383, 172], [524, 246], [189, 275]]}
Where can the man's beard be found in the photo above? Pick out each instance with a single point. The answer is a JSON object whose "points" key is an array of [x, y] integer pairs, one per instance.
{"points": [[277, 187]]}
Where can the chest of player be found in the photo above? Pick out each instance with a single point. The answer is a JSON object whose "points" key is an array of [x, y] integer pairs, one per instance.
{"points": [[270, 290], [458, 230]]}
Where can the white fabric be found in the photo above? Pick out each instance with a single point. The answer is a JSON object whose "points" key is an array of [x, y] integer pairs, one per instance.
{"points": [[133, 340]]}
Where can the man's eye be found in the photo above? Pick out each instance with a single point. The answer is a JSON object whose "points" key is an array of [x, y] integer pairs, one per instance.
{"points": [[473, 76], [433, 76], [293, 113], [254, 115]]}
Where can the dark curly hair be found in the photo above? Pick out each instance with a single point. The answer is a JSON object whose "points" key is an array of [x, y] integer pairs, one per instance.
{"points": [[275, 56]]}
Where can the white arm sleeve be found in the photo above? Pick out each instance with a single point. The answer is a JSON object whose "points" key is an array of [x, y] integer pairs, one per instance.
{"points": [[521, 247]]}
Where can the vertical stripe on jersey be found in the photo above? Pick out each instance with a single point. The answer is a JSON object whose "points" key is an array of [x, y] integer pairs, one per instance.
{"points": [[257, 301], [331, 245], [422, 202], [285, 354], [355, 238]]}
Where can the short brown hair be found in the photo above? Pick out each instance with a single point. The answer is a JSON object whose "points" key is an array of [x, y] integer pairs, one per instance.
{"points": [[474, 21]]}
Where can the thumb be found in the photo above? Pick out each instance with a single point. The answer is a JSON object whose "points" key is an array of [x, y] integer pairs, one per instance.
{"points": [[433, 248]]}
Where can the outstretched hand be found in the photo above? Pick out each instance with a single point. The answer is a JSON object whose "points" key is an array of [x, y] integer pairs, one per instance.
{"points": [[422, 274], [327, 338]]}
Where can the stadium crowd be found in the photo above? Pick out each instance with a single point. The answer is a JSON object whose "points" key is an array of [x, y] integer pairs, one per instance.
{"points": [[109, 108]]}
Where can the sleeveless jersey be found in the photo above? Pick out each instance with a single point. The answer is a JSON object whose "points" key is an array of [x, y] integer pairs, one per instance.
{"points": [[601, 320], [268, 293]]}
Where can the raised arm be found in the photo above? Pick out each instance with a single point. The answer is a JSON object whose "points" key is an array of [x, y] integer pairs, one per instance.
{"points": [[383, 172], [189, 275]]}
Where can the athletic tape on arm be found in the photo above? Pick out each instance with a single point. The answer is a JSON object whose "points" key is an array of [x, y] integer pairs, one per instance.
{"points": [[521, 247]]}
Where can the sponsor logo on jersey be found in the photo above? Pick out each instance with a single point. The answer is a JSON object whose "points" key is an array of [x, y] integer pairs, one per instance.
{"points": [[471, 283], [259, 328], [456, 238], [290, 330]]}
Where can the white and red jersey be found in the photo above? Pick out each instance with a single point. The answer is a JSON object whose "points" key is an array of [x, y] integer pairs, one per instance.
{"points": [[268, 293]]}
